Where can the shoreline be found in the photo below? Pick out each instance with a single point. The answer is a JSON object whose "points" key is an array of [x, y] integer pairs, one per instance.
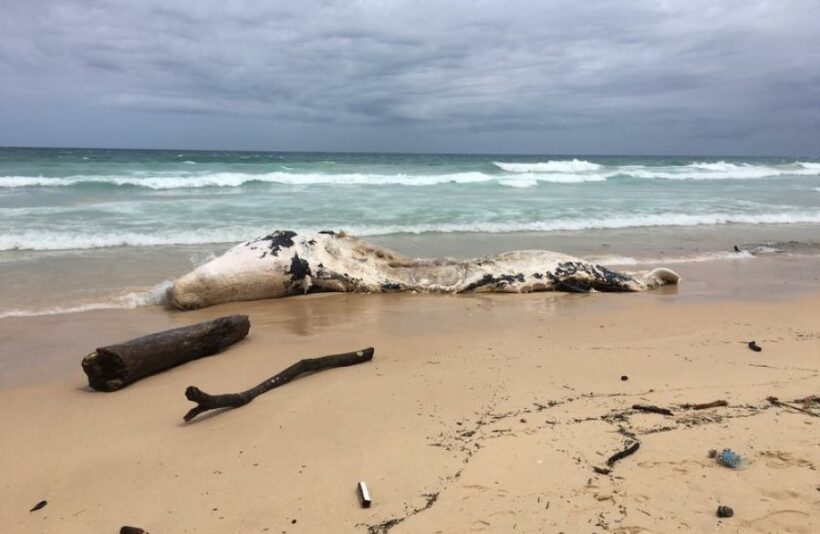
{"points": [[129, 277]]}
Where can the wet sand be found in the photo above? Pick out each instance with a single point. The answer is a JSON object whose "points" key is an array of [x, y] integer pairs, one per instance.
{"points": [[479, 413]]}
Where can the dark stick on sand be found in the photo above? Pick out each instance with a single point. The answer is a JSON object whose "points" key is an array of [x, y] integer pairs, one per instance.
{"points": [[705, 405], [629, 451], [115, 366], [38, 506], [780, 403], [207, 402], [651, 409]]}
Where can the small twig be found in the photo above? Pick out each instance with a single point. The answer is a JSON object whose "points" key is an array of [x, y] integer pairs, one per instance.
{"points": [[38, 506], [778, 402], [705, 405], [207, 402], [629, 451], [808, 401], [651, 409]]}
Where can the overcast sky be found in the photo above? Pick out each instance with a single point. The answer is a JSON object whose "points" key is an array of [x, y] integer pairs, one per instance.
{"points": [[550, 76]]}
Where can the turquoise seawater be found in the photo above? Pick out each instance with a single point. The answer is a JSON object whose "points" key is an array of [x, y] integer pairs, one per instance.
{"points": [[58, 199]]}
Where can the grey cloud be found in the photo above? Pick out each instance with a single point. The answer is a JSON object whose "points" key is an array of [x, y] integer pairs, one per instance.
{"points": [[639, 76]]}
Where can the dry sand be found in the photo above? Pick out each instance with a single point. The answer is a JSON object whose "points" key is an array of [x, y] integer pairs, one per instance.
{"points": [[477, 414]]}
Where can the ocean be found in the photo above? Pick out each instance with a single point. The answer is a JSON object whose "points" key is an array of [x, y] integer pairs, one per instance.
{"points": [[116, 218]]}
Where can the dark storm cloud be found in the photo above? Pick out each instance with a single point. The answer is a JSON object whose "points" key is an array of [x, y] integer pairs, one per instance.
{"points": [[677, 75]]}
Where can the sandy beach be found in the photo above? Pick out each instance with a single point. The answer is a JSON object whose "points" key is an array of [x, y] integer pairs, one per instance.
{"points": [[477, 414]]}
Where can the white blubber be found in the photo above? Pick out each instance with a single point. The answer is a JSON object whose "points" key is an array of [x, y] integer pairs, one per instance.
{"points": [[288, 263]]}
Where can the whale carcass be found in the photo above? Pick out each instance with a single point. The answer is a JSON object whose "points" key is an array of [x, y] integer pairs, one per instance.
{"points": [[289, 263]]}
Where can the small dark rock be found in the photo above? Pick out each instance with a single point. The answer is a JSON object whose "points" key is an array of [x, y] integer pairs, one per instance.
{"points": [[132, 530], [754, 346], [624, 378], [725, 511], [41, 504]]}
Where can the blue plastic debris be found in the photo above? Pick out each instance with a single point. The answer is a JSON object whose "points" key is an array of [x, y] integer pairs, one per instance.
{"points": [[729, 458]]}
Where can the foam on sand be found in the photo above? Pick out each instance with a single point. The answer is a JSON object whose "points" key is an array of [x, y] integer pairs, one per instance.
{"points": [[127, 301]]}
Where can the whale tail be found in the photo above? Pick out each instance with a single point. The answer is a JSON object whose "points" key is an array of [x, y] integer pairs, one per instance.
{"points": [[660, 277]]}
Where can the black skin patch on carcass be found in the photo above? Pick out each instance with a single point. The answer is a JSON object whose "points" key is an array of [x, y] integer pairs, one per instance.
{"points": [[388, 287], [315, 289], [279, 240], [572, 288], [578, 277], [485, 280], [497, 281], [299, 268]]}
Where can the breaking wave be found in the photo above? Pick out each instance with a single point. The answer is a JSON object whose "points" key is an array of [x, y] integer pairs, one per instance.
{"points": [[505, 174], [68, 239], [721, 170], [227, 179], [562, 166]]}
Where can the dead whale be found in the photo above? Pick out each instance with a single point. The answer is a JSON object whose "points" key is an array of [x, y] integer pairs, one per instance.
{"points": [[289, 263]]}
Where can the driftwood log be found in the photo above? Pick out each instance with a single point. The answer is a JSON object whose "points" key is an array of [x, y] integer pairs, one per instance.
{"points": [[115, 366], [207, 402]]}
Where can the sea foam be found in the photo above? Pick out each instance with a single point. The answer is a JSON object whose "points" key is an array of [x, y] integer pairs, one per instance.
{"points": [[232, 179], [74, 239], [720, 170], [131, 300], [228, 179], [562, 166], [695, 258], [512, 175]]}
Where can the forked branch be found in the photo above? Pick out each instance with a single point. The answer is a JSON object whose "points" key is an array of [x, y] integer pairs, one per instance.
{"points": [[206, 402]]}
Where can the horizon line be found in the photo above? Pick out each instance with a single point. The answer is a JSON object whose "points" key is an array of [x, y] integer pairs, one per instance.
{"points": [[407, 153]]}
